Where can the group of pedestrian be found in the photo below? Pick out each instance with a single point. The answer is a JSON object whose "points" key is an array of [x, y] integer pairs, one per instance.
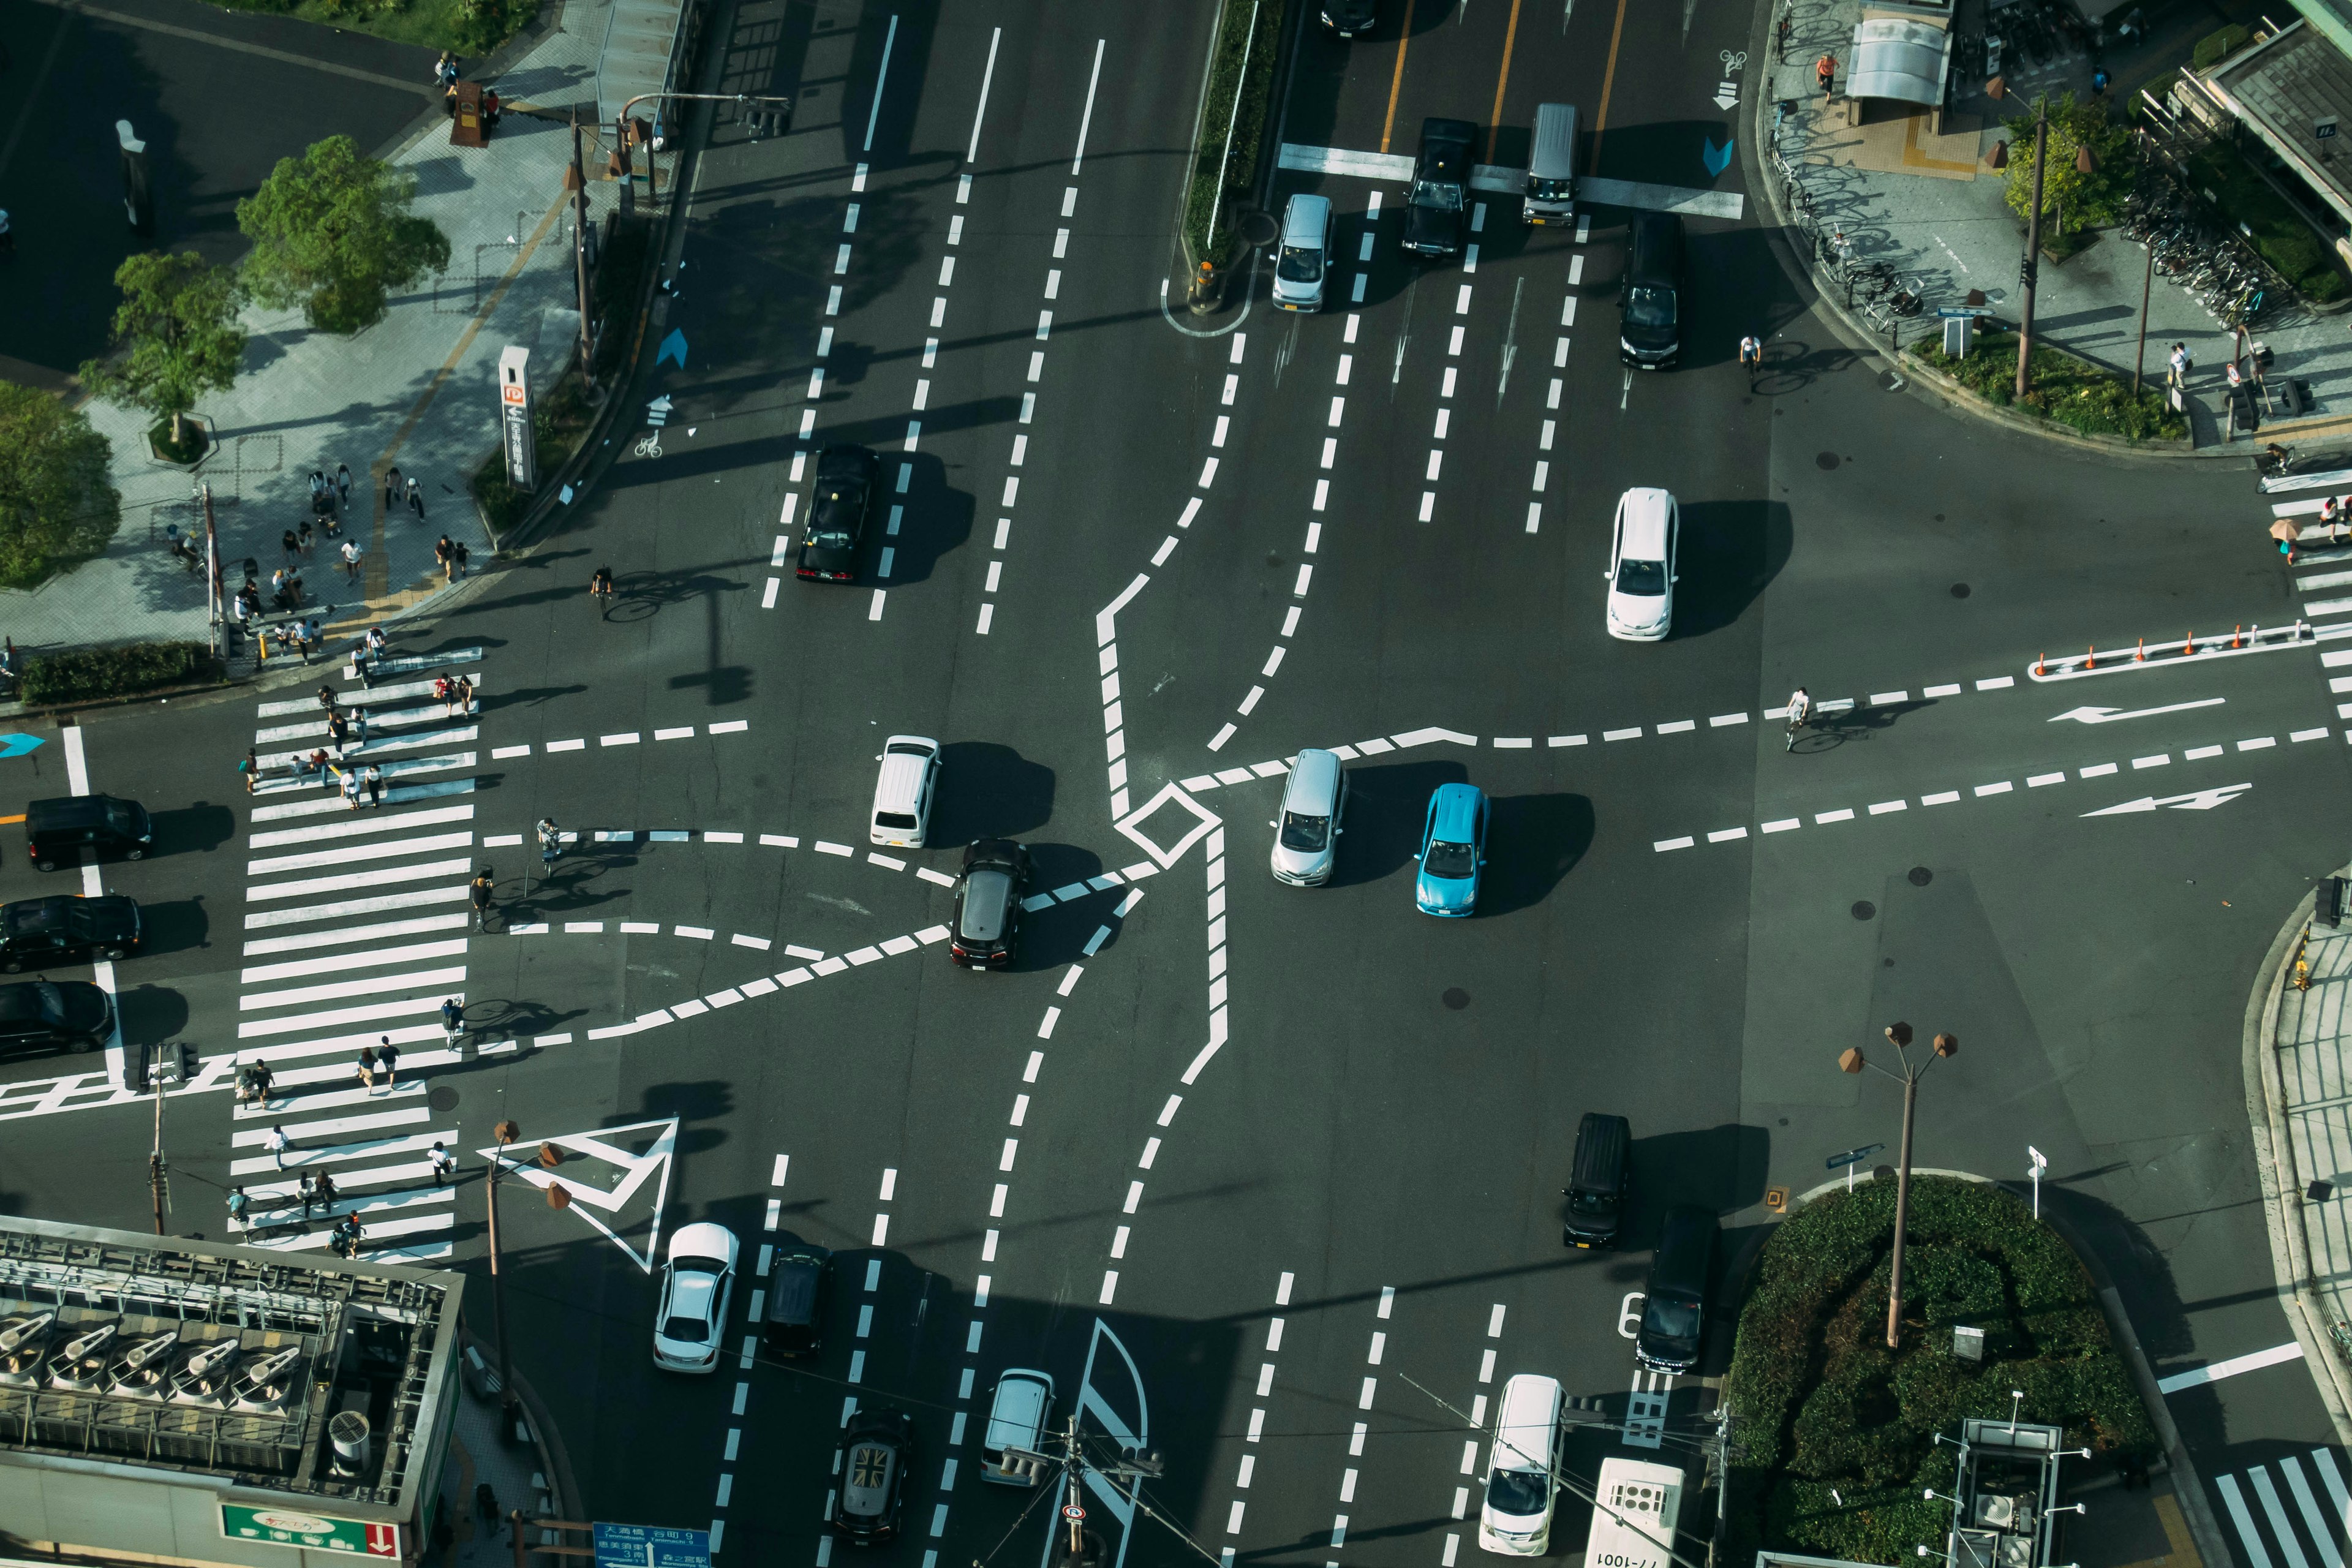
{"points": [[396, 490], [382, 1057], [455, 696], [452, 555]]}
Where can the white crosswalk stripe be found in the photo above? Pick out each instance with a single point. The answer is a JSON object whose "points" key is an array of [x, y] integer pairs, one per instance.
{"points": [[359, 955], [2281, 1520]]}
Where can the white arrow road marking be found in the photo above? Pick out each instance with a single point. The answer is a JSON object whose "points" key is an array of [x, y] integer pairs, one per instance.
{"points": [[2109, 715], [2200, 800]]}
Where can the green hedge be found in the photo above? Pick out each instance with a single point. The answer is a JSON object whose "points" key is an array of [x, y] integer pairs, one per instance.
{"points": [[2216, 46], [1820, 1407], [83, 675], [471, 27], [2270, 222], [1237, 104], [2065, 390]]}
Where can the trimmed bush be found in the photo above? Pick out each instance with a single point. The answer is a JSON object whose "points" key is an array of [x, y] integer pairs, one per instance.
{"points": [[87, 674], [2216, 46], [1239, 93], [1823, 1411], [2269, 221], [2068, 391]]}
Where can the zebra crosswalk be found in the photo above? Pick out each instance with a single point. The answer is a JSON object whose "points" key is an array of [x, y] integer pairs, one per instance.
{"points": [[2286, 1515], [356, 930]]}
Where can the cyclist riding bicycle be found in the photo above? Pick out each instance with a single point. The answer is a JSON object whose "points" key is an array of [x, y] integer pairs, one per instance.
{"points": [[600, 586], [1800, 708]]}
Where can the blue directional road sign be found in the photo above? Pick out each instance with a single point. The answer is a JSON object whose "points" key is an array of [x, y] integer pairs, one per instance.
{"points": [[672, 347], [651, 1546], [1854, 1156], [1717, 159], [16, 745]]}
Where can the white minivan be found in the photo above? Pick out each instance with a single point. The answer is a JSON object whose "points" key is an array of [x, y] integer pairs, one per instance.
{"points": [[1305, 258], [903, 791], [1516, 1519], [1009, 1449], [1306, 829], [1641, 606]]}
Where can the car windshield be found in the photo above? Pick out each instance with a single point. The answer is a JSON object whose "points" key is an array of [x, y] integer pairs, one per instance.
{"points": [[1667, 1318], [893, 819], [1644, 578], [20, 920], [1597, 1204], [1308, 833], [693, 1331], [987, 896], [1520, 1492], [1649, 307], [822, 538], [1442, 197], [1445, 859], [1300, 263], [1548, 189]]}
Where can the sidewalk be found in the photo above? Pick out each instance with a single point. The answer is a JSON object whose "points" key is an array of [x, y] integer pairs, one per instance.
{"points": [[1927, 205], [416, 391]]}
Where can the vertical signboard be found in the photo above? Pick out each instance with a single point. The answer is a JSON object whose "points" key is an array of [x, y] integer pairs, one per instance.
{"points": [[514, 412]]}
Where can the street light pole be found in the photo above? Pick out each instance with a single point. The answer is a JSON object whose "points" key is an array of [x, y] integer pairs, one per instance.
{"points": [[505, 1132], [1852, 1060], [2033, 263]]}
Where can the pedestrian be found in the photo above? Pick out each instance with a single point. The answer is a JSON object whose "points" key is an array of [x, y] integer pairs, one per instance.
{"points": [[375, 786], [339, 729], [416, 497], [480, 889], [444, 692], [445, 555], [1825, 74], [387, 1056], [366, 1069], [464, 556], [291, 545], [314, 633], [391, 488], [2099, 79], [465, 696], [278, 1143], [2176, 364], [445, 1164], [343, 483], [326, 697], [8, 236], [346, 1236], [1751, 357], [324, 1189], [453, 1020], [318, 764], [240, 1207], [305, 539], [307, 1191], [2331, 513], [351, 553], [285, 636], [359, 718], [492, 109], [251, 769], [350, 777]]}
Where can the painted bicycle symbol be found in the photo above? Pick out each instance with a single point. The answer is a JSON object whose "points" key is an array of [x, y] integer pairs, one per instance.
{"points": [[1733, 60], [651, 446]]}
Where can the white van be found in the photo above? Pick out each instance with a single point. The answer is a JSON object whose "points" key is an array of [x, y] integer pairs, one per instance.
{"points": [[1017, 1415], [1551, 166], [1516, 1519], [903, 790], [1307, 828], [1305, 258], [1633, 1523]]}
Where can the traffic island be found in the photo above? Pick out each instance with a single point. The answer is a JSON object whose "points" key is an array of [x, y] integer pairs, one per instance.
{"points": [[2082, 398], [1833, 1434]]}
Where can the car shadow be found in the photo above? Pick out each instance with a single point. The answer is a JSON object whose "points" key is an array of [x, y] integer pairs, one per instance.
{"points": [[1729, 552], [1387, 804], [174, 927], [1532, 841], [203, 827], [1057, 934], [989, 791], [934, 519]]}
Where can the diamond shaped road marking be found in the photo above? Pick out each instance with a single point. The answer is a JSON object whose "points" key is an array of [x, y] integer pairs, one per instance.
{"points": [[1204, 821]]}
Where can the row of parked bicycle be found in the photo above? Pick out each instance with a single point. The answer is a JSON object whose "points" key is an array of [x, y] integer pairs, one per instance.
{"points": [[2200, 256]]}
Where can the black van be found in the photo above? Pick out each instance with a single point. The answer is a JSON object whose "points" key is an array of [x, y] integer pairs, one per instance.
{"points": [[1674, 1310], [1597, 1177], [1651, 335], [800, 1288], [58, 831]]}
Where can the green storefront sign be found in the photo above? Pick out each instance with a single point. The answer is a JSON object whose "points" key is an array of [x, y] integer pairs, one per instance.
{"points": [[283, 1526]]}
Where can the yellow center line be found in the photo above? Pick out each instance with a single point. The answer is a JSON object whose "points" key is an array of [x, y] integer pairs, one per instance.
{"points": [[1608, 80], [1495, 120], [1396, 82]]}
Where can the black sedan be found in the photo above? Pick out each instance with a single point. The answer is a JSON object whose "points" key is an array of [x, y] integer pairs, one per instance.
{"points": [[841, 507], [872, 1463], [54, 1015], [987, 928], [36, 933], [800, 1287], [1351, 18]]}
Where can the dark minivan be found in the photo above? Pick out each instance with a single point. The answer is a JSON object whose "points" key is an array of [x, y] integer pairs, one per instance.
{"points": [[1597, 1178], [799, 1287], [36, 933], [1651, 335], [1674, 1310], [58, 831]]}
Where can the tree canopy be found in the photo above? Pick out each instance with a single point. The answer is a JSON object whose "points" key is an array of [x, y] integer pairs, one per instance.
{"points": [[332, 233], [57, 503], [175, 333]]}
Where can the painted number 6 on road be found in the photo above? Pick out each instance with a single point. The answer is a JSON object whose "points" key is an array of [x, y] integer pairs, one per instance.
{"points": [[1629, 1316]]}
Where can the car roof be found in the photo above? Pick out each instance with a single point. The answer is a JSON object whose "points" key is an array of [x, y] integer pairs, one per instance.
{"points": [[1017, 1412], [1523, 1421], [1437, 132], [1305, 218], [1314, 778], [23, 1000], [904, 758], [845, 460], [1455, 807], [1005, 851], [1645, 511], [703, 1239]]}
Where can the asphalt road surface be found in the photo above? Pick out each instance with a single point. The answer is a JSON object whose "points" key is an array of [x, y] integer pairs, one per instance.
{"points": [[1266, 1179]]}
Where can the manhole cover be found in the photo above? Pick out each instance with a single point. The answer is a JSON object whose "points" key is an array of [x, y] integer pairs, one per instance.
{"points": [[1827, 462], [1456, 998], [442, 1098], [1960, 590], [1258, 228], [1921, 876], [1864, 910]]}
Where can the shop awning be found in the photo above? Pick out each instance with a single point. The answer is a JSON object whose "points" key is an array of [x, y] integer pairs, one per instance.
{"points": [[1898, 59]]}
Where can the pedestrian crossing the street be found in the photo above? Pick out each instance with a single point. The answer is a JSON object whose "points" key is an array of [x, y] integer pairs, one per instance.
{"points": [[2296, 1513], [356, 924]]}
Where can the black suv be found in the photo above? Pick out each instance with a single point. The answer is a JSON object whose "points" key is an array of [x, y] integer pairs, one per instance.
{"points": [[800, 1287], [54, 1015], [871, 1462], [1441, 188], [1351, 18], [36, 933], [848, 481], [987, 926], [58, 831]]}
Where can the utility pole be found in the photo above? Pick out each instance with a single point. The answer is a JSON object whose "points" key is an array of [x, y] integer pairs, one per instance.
{"points": [[163, 1066], [213, 576], [578, 181], [1852, 1060], [2026, 271], [155, 1154], [505, 1132]]}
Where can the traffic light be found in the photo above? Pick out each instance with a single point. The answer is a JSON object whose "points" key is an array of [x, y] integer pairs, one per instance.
{"points": [[188, 1063]]}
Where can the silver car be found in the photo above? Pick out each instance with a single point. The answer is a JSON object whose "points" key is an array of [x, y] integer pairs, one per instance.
{"points": [[1307, 833]]}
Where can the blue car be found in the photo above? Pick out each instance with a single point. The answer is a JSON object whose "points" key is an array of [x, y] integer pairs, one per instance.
{"points": [[1453, 849]]}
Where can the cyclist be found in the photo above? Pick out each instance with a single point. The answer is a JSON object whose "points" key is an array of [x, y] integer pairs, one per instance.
{"points": [[480, 889], [1752, 355], [599, 588], [550, 841], [1800, 708]]}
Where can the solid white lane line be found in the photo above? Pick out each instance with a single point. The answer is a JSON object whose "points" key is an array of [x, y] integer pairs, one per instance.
{"points": [[988, 76]]}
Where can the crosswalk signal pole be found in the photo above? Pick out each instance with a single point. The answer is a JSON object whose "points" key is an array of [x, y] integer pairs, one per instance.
{"points": [[505, 1132]]}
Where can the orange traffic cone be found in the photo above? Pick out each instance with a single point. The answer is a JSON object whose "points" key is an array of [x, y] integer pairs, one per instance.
{"points": [[2090, 660], [2139, 655]]}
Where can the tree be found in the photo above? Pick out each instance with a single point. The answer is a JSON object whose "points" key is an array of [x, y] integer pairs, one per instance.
{"points": [[332, 232], [56, 504], [175, 334], [2092, 199]]}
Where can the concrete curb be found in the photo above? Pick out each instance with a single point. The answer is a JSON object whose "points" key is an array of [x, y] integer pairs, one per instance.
{"points": [[2274, 1165]]}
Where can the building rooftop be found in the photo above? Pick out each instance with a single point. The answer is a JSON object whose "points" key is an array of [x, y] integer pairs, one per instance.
{"points": [[303, 1375], [2294, 88]]}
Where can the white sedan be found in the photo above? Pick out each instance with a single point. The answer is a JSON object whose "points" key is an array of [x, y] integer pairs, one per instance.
{"points": [[697, 1280]]}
